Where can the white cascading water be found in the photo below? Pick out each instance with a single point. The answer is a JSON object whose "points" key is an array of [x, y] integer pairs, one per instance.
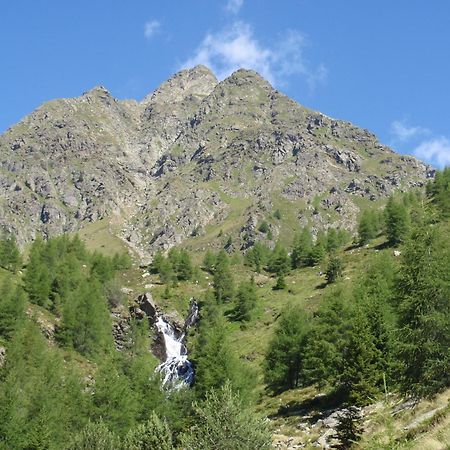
{"points": [[177, 370]]}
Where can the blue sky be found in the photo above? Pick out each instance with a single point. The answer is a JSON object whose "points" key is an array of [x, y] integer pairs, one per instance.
{"points": [[383, 65]]}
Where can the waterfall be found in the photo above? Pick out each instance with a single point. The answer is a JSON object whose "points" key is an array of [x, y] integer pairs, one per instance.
{"points": [[177, 370]]}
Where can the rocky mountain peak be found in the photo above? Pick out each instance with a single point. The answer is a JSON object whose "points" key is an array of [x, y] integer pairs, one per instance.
{"points": [[242, 77], [193, 154], [98, 92], [196, 82]]}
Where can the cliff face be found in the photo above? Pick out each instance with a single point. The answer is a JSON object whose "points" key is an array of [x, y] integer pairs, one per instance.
{"points": [[193, 156]]}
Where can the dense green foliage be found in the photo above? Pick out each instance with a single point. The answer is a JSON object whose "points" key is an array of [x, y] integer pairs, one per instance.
{"points": [[63, 384], [246, 300], [283, 366], [223, 422], [438, 191], [223, 278], [10, 258], [392, 326], [368, 226], [177, 266]]}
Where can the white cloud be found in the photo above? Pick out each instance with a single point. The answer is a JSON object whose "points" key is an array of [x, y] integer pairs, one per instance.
{"points": [[236, 48], [436, 151], [151, 28], [402, 132], [234, 6]]}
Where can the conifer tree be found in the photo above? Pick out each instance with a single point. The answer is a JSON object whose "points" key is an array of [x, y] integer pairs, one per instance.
{"points": [[41, 396], [86, 323], [209, 261], [215, 362], [114, 401], [334, 269], [184, 268], [257, 256], [154, 434], [284, 358], [279, 261], [10, 257], [12, 308], [423, 298], [280, 284], [246, 300], [438, 191], [302, 247], [333, 243], [223, 422], [318, 251], [158, 259], [367, 227], [327, 339], [95, 436], [223, 279], [37, 279], [397, 221], [357, 380]]}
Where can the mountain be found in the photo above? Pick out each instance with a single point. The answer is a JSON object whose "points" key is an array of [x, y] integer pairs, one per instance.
{"points": [[196, 156]]}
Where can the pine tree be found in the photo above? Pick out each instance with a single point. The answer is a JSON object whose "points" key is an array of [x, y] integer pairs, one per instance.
{"points": [[166, 271], [397, 221], [333, 243], [257, 256], [327, 339], [279, 261], [10, 258], [95, 436], [246, 300], [438, 191], [280, 284], [318, 251], [209, 261], [302, 247], [264, 227], [358, 379], [12, 308], [154, 434], [334, 269], [184, 269], [284, 358], [223, 279], [215, 362], [158, 259], [367, 227], [222, 422], [41, 395], [102, 267], [37, 279], [86, 323], [115, 403], [423, 297]]}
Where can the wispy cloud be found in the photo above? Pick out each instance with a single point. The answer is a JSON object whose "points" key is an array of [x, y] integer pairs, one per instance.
{"points": [[234, 6], [436, 151], [237, 47], [402, 132], [151, 28]]}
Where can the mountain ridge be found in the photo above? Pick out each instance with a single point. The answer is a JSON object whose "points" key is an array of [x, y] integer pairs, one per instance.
{"points": [[181, 159]]}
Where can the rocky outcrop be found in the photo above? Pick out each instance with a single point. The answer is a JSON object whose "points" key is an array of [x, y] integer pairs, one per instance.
{"points": [[191, 154]]}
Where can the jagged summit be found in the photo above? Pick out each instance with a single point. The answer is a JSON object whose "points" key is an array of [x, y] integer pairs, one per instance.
{"points": [[97, 90], [192, 155], [198, 81]]}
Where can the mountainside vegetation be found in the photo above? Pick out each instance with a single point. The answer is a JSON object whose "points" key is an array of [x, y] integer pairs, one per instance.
{"points": [[379, 331], [319, 260]]}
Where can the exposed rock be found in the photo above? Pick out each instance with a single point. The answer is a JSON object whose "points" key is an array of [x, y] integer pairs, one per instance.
{"points": [[192, 153], [2, 356]]}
